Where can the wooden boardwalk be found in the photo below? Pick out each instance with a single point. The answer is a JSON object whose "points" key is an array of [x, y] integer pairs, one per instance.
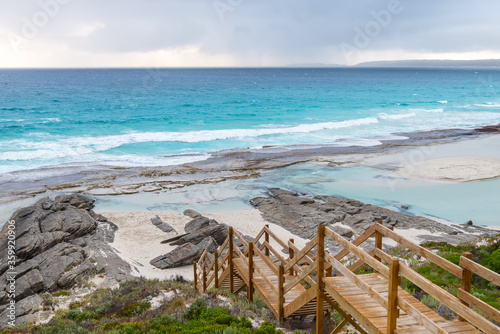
{"points": [[309, 281]]}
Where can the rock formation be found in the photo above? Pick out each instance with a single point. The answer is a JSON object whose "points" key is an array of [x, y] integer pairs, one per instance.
{"points": [[349, 218], [58, 243]]}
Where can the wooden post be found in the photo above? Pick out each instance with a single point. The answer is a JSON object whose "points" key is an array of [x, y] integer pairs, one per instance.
{"points": [[216, 270], [204, 278], [250, 271], [195, 276], [320, 260], [266, 238], [329, 271], [392, 305], [291, 255], [378, 240], [466, 280], [281, 295], [230, 259]]}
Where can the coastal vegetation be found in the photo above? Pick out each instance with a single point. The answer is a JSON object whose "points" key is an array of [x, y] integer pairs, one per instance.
{"points": [[485, 251], [154, 306], [174, 306]]}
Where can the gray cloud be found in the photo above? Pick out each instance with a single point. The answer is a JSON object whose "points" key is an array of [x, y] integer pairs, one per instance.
{"points": [[284, 30]]}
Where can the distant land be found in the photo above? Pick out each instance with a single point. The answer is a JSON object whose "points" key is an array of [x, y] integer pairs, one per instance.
{"points": [[413, 63]]}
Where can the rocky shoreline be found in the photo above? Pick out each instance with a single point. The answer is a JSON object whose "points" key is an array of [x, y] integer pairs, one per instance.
{"points": [[58, 244], [350, 218], [233, 164], [62, 243]]}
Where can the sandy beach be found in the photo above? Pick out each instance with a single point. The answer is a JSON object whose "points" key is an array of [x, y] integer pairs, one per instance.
{"points": [[456, 169], [137, 240]]}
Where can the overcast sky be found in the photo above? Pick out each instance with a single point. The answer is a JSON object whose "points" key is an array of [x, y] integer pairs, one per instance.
{"points": [[156, 33]]}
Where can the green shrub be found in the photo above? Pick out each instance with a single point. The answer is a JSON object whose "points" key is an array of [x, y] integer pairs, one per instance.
{"points": [[134, 309], [61, 293], [225, 319], [492, 261], [267, 328]]}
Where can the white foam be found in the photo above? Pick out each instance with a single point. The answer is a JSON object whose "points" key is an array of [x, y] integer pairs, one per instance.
{"points": [[443, 102], [68, 147], [396, 116], [488, 105], [437, 110]]}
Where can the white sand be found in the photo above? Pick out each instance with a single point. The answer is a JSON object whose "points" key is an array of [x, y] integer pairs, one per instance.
{"points": [[137, 240], [453, 169]]}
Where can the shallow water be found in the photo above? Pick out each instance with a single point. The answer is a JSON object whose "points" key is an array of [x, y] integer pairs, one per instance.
{"points": [[458, 203]]}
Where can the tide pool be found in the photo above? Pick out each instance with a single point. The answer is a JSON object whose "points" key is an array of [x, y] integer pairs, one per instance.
{"points": [[458, 203]]}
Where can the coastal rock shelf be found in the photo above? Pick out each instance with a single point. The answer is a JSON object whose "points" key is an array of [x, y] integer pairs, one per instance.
{"points": [[58, 244], [302, 216]]}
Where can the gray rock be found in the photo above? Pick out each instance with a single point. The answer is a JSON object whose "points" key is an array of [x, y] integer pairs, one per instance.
{"points": [[25, 310], [345, 232], [58, 260], [29, 284], [98, 217], [76, 274], [181, 256], [76, 200], [196, 224], [209, 244], [54, 242], [218, 232], [162, 225], [192, 213], [302, 216], [275, 192], [177, 237]]}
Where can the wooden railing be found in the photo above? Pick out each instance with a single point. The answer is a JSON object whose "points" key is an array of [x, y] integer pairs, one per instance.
{"points": [[464, 294], [459, 304], [311, 263]]}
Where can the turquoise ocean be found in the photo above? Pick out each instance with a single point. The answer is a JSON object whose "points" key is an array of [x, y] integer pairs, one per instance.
{"points": [[138, 117], [157, 117]]}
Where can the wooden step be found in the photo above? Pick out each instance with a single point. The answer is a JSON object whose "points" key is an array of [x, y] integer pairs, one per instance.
{"points": [[373, 316]]}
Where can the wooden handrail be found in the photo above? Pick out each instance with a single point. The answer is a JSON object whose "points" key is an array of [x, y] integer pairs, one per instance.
{"points": [[275, 252], [361, 254], [358, 264], [264, 258], [320, 273], [359, 240], [250, 271], [240, 253], [206, 271], [299, 269], [281, 293], [224, 244], [292, 246], [477, 303], [310, 245], [275, 237], [240, 238], [478, 269], [259, 235], [230, 259], [436, 259], [421, 318], [392, 302], [446, 298], [300, 277]]}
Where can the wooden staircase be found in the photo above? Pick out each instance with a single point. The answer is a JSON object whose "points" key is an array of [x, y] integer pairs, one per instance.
{"points": [[309, 281]]}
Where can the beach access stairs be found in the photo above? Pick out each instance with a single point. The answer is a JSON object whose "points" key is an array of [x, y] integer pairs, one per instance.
{"points": [[310, 281]]}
